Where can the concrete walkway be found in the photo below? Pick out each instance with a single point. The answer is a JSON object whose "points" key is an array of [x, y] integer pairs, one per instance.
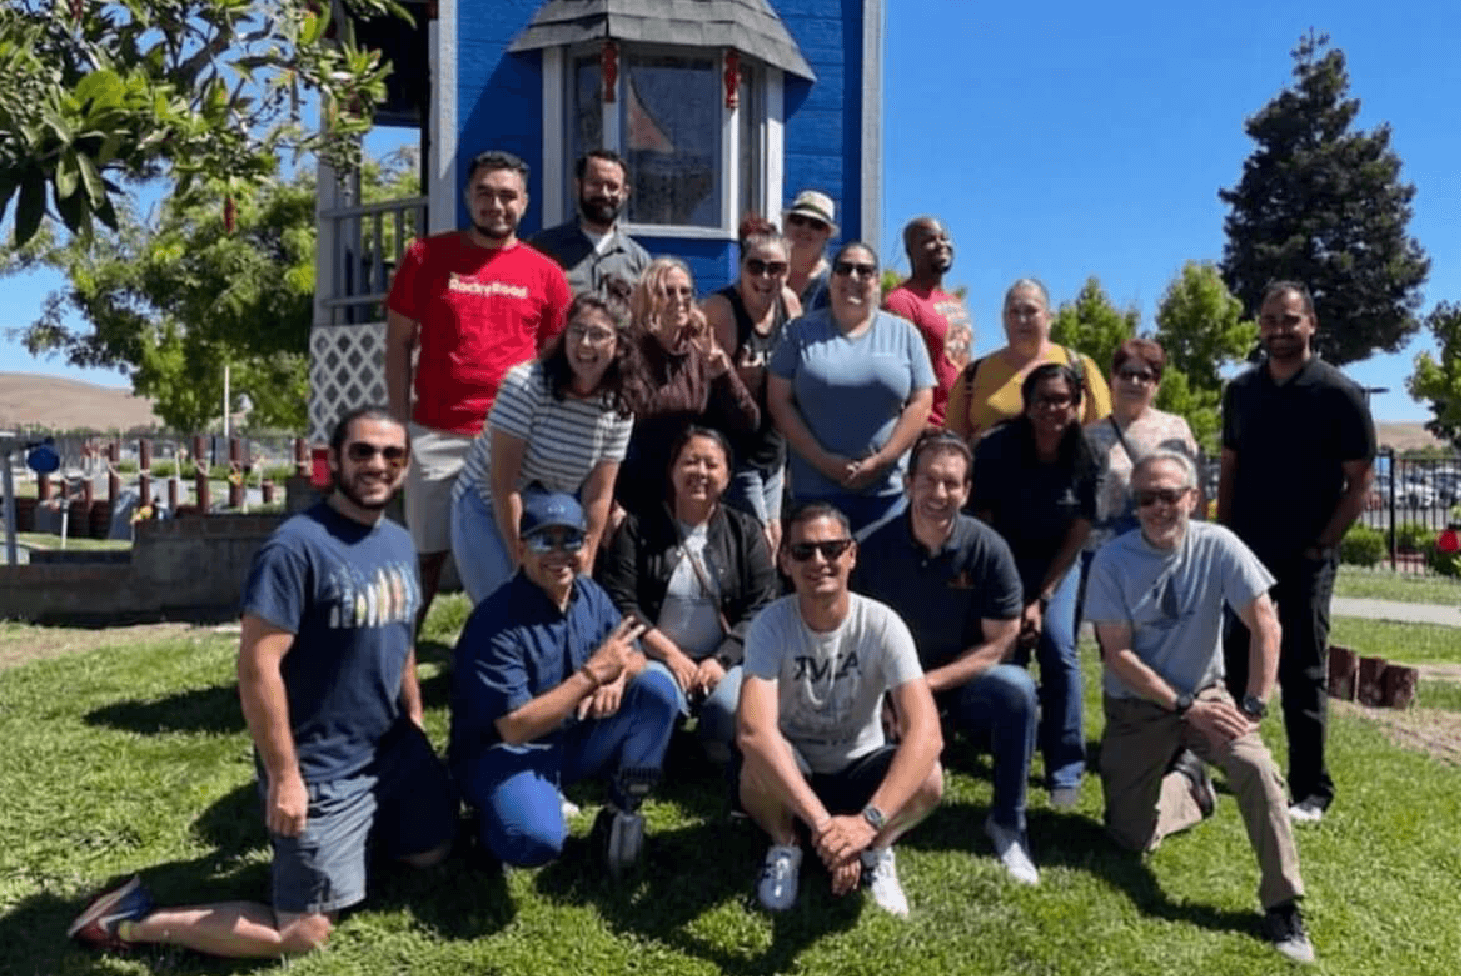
{"points": [[1408, 613]]}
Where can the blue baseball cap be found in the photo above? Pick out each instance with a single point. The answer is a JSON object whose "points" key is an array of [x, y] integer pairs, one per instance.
{"points": [[547, 509]]}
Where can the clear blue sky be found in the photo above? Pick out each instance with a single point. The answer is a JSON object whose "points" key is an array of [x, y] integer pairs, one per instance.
{"points": [[1096, 145]]}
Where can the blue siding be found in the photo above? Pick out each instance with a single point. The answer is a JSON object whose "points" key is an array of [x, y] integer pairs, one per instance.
{"points": [[499, 95], [712, 263]]}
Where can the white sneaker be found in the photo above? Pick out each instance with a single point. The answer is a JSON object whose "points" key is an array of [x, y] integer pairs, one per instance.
{"points": [[1013, 853], [1065, 797], [1306, 811], [777, 888], [880, 876]]}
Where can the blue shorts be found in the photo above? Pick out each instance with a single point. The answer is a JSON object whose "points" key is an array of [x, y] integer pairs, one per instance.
{"points": [[402, 804]]}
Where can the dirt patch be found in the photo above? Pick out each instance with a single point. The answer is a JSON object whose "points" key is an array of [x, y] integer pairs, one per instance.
{"points": [[21, 643], [1429, 730]]}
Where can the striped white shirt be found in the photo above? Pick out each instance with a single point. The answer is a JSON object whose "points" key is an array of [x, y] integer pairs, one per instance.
{"points": [[566, 439]]}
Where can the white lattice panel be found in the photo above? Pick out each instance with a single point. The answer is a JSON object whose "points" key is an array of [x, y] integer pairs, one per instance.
{"points": [[346, 369]]}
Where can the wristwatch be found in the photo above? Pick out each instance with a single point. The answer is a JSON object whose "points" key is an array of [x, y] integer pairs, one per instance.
{"points": [[1180, 706], [875, 818], [1254, 707]]}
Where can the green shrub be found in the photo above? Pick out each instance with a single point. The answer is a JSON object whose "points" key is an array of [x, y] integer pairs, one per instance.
{"points": [[1413, 537], [163, 469], [1445, 563], [1362, 546]]}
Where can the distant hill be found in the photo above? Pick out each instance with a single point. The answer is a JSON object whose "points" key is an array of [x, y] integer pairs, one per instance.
{"points": [[55, 403], [1407, 435]]}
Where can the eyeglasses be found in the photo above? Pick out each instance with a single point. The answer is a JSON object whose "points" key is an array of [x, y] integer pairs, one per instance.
{"points": [[848, 269], [545, 542], [683, 291], [757, 267], [802, 220], [831, 549], [1137, 376], [394, 454], [594, 336], [1148, 497], [1054, 401]]}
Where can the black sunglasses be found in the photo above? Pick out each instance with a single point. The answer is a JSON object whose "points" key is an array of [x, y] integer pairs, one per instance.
{"points": [[1167, 496], [394, 454], [831, 549], [758, 267], [850, 268], [1139, 375], [802, 220]]}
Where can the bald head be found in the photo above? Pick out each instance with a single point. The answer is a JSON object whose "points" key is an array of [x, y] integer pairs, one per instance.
{"points": [[930, 250]]}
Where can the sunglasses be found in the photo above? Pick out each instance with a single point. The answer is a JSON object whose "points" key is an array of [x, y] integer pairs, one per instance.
{"points": [[757, 267], [394, 454], [830, 550], [545, 542], [802, 220], [1167, 496], [1137, 376], [849, 269]]}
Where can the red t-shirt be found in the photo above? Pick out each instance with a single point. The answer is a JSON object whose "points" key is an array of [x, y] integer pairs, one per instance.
{"points": [[481, 312], [947, 331]]}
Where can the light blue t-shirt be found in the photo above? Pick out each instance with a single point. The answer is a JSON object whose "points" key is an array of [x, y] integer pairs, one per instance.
{"points": [[1173, 600], [850, 391]]}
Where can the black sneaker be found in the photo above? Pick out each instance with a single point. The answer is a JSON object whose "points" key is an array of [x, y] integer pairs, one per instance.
{"points": [[1284, 927], [1198, 779], [619, 836]]}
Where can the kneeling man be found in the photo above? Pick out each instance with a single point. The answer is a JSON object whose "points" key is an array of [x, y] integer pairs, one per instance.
{"points": [[1156, 598], [817, 666], [954, 582], [327, 677], [548, 689]]}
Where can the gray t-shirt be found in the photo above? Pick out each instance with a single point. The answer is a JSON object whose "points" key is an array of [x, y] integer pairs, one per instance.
{"points": [[830, 686], [690, 616], [1173, 600]]}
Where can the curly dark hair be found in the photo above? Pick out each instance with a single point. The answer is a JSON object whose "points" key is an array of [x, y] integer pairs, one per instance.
{"points": [[616, 380]]}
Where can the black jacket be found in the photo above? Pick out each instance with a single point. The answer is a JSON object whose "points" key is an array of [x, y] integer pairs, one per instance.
{"points": [[635, 569]]}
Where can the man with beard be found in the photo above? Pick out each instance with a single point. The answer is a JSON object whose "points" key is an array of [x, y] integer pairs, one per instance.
{"points": [[941, 317], [471, 304], [592, 250], [1298, 451], [327, 678]]}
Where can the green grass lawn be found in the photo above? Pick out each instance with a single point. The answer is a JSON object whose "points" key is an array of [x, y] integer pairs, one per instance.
{"points": [[44, 540], [1404, 587], [135, 758], [1404, 643]]}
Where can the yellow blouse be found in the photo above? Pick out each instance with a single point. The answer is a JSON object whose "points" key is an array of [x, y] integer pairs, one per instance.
{"points": [[996, 394]]}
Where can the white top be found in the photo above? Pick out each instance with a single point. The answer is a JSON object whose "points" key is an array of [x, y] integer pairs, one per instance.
{"points": [[690, 616], [566, 439]]}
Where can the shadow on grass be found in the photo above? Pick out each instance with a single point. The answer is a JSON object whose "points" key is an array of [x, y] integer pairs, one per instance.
{"points": [[215, 709], [661, 898]]}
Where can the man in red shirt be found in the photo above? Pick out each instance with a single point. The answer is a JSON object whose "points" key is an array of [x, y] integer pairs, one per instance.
{"points": [[470, 304], [947, 329]]}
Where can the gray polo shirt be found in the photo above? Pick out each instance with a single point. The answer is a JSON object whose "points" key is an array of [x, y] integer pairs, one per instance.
{"points": [[586, 266], [1173, 600]]}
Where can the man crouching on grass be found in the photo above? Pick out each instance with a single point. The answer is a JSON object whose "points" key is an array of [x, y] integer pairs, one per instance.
{"points": [[810, 730], [327, 677]]}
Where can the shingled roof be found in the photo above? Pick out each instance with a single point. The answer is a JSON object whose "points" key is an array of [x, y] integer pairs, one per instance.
{"points": [[749, 26]]}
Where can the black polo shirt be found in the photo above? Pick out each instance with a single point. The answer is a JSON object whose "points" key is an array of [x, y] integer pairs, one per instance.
{"points": [[586, 268], [1291, 440], [1030, 503], [941, 597]]}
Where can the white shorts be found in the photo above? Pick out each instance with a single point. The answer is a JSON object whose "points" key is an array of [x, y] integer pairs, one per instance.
{"points": [[436, 457]]}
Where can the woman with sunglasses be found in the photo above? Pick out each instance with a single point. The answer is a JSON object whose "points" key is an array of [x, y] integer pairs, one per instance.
{"points": [[987, 392], [810, 224], [1134, 429], [747, 319], [686, 379], [1035, 484], [562, 422], [851, 388], [696, 571]]}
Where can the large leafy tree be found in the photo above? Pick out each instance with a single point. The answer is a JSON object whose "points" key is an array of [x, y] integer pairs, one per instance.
{"points": [[1438, 380], [171, 296], [100, 93], [1092, 324], [1323, 203]]}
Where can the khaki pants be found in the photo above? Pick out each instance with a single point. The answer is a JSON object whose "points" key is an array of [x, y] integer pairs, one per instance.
{"points": [[1145, 803]]}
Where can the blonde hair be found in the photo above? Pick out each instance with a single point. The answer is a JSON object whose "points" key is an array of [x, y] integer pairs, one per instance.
{"points": [[648, 301]]}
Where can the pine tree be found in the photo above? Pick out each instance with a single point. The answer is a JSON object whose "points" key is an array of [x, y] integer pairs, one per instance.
{"points": [[1321, 203]]}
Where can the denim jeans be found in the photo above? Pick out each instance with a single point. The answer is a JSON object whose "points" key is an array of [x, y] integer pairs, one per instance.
{"points": [[1061, 734], [481, 556], [757, 493], [1000, 704], [515, 788], [716, 713]]}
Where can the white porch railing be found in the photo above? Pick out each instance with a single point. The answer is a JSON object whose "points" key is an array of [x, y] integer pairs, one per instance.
{"points": [[360, 248]]}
